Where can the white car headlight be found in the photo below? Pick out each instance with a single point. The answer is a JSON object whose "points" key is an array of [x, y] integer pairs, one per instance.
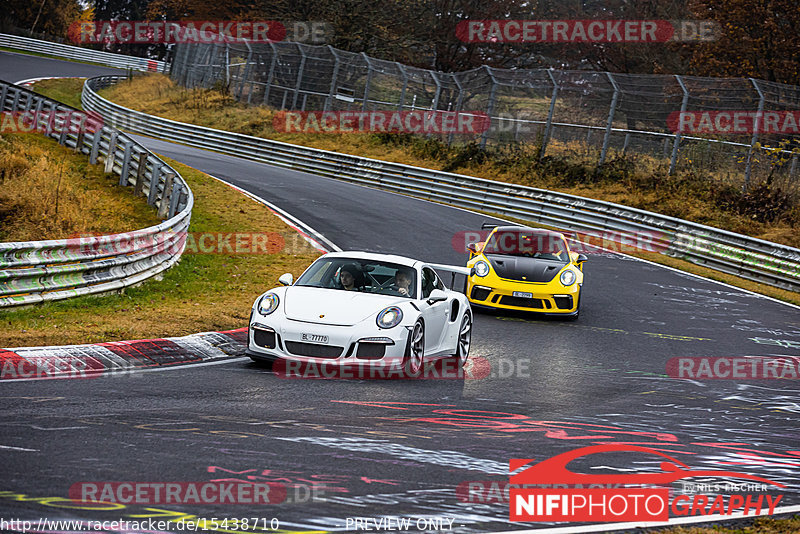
{"points": [[481, 268], [568, 277], [390, 317], [268, 304]]}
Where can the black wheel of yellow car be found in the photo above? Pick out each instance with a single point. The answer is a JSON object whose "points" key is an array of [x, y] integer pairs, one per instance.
{"points": [[464, 341], [415, 351]]}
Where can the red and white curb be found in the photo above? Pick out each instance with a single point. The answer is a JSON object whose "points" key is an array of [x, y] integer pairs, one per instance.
{"points": [[119, 357]]}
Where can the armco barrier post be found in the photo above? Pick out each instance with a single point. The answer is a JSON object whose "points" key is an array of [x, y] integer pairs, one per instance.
{"points": [[163, 207], [126, 163], [174, 197], [112, 152], [141, 169], [154, 180], [97, 136]]}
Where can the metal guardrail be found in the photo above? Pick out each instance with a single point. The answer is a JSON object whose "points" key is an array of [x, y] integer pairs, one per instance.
{"points": [[747, 257], [81, 54], [37, 271]]}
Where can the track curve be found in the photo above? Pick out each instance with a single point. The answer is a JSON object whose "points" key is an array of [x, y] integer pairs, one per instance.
{"points": [[402, 448]]}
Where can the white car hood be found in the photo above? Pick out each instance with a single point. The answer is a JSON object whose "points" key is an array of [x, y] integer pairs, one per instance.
{"points": [[334, 306]]}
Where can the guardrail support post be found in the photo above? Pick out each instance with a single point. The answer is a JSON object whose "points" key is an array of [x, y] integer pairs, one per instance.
{"points": [[81, 132], [112, 152], [154, 178], [65, 126], [300, 70], [756, 127], [163, 207], [368, 82], [37, 117], [677, 143], [141, 168], [96, 137], [549, 123], [174, 197], [3, 95], [126, 164], [15, 102], [610, 122]]}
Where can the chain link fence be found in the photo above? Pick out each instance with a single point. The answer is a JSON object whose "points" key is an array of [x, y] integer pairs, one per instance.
{"points": [[594, 115]]}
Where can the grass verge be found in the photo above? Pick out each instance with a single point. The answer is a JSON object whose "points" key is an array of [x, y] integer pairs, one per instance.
{"points": [[212, 291], [64, 90]]}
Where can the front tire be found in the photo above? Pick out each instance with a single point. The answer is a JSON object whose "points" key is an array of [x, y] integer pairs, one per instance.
{"points": [[415, 351]]}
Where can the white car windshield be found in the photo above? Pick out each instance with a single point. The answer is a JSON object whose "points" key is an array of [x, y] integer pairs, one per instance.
{"points": [[366, 276]]}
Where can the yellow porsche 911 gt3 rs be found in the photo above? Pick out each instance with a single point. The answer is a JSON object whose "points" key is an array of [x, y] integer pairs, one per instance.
{"points": [[525, 269]]}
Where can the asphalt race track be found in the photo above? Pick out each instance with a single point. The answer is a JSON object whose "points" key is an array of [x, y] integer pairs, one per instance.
{"points": [[383, 448]]}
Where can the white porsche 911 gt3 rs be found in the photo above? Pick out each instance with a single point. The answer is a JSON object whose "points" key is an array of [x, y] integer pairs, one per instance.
{"points": [[361, 308]]}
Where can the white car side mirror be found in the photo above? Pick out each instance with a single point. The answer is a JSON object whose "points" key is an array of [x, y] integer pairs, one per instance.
{"points": [[286, 279], [437, 295]]}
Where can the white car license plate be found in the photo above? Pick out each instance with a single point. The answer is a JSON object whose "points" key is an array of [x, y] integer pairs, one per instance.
{"points": [[314, 338], [523, 295]]}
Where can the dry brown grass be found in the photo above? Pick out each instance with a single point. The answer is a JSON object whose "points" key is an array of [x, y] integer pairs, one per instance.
{"points": [[49, 192]]}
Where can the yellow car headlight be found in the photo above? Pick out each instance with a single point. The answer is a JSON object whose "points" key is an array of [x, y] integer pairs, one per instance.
{"points": [[568, 277], [481, 268]]}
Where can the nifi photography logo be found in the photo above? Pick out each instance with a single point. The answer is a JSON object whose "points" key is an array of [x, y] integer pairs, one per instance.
{"points": [[578, 497]]}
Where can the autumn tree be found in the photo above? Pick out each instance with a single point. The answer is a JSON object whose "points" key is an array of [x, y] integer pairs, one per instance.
{"points": [[759, 39]]}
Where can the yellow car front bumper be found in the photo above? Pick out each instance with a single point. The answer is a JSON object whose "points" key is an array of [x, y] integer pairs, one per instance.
{"points": [[551, 297]]}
